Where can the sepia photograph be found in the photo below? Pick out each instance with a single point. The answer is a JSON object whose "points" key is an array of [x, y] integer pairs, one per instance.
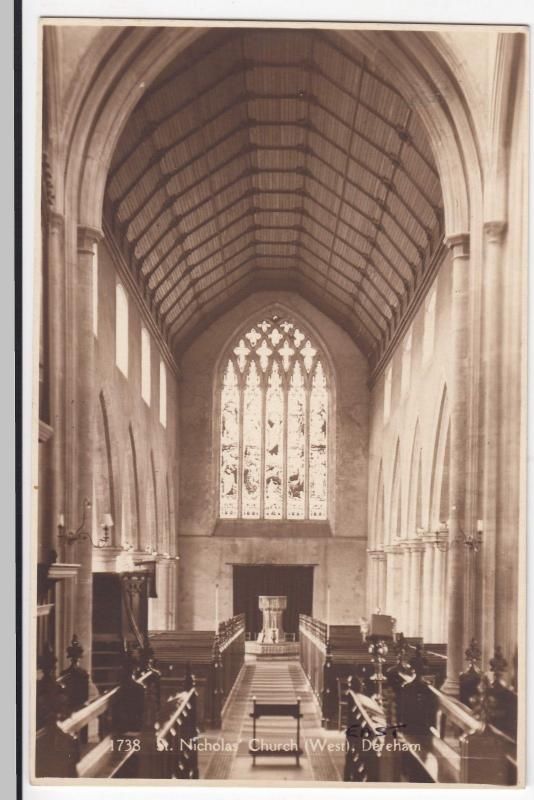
{"points": [[279, 434]]}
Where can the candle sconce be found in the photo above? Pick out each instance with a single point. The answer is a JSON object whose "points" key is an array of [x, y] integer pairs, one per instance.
{"points": [[441, 537], [70, 537], [472, 541]]}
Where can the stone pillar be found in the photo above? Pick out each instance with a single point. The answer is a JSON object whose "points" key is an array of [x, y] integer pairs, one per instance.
{"points": [[82, 438], [56, 364], [491, 554], [375, 579], [416, 555], [391, 572], [404, 622], [381, 580], [427, 599], [459, 246]]}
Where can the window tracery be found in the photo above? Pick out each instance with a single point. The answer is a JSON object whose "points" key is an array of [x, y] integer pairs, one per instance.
{"points": [[274, 425]]}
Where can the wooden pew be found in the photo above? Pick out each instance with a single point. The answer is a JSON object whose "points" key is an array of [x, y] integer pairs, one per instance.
{"points": [[215, 661], [92, 741]]}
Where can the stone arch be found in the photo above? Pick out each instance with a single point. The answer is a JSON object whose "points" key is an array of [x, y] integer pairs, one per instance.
{"points": [[153, 523], [106, 472], [131, 60], [130, 529], [169, 516], [415, 500], [504, 100], [379, 531], [395, 514], [439, 482]]}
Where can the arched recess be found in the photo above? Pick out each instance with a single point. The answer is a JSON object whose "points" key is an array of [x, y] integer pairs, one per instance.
{"points": [[439, 483], [169, 517], [395, 515], [106, 467], [153, 528], [130, 496], [415, 499], [379, 531], [418, 62], [506, 96]]}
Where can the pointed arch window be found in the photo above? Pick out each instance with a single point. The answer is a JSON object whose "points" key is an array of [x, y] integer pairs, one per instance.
{"points": [[275, 401]]}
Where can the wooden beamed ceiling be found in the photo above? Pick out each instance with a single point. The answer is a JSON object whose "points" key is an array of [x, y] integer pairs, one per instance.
{"points": [[275, 159]]}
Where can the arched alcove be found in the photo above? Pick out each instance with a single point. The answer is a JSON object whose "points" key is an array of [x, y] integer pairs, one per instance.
{"points": [[415, 485], [130, 531], [106, 468], [379, 530], [395, 515], [439, 482]]}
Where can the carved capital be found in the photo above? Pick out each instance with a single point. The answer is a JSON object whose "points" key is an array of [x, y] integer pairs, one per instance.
{"points": [[495, 231], [458, 244], [87, 238], [378, 555]]}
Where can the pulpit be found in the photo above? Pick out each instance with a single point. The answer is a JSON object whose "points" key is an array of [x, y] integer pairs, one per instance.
{"points": [[272, 608]]}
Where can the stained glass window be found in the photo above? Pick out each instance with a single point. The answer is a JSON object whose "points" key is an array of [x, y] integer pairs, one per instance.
{"points": [[274, 425]]}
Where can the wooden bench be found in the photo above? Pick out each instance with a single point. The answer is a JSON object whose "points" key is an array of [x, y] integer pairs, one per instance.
{"points": [[293, 750]]}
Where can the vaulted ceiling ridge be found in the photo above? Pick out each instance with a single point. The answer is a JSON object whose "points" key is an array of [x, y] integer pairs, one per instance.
{"points": [[275, 159], [382, 204]]}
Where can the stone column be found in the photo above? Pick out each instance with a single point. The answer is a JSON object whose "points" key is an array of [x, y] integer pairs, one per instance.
{"points": [[381, 580], [416, 555], [82, 439], [404, 623], [427, 595], [391, 572], [373, 583], [459, 246], [56, 364], [490, 554]]}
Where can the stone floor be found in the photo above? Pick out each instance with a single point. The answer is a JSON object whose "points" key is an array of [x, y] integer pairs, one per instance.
{"points": [[272, 681]]}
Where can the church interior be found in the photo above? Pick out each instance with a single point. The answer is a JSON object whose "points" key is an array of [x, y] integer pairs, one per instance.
{"points": [[281, 419]]}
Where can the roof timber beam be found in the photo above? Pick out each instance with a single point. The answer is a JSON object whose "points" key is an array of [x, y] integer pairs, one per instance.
{"points": [[252, 275]]}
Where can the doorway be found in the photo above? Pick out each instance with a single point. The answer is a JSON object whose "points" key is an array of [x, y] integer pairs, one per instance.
{"points": [[295, 582]]}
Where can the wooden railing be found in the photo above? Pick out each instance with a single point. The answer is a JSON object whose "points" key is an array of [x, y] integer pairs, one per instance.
{"points": [[312, 647], [228, 659]]}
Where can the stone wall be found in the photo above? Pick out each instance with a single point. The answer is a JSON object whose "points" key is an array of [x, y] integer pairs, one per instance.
{"points": [[409, 477], [135, 465], [207, 550]]}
